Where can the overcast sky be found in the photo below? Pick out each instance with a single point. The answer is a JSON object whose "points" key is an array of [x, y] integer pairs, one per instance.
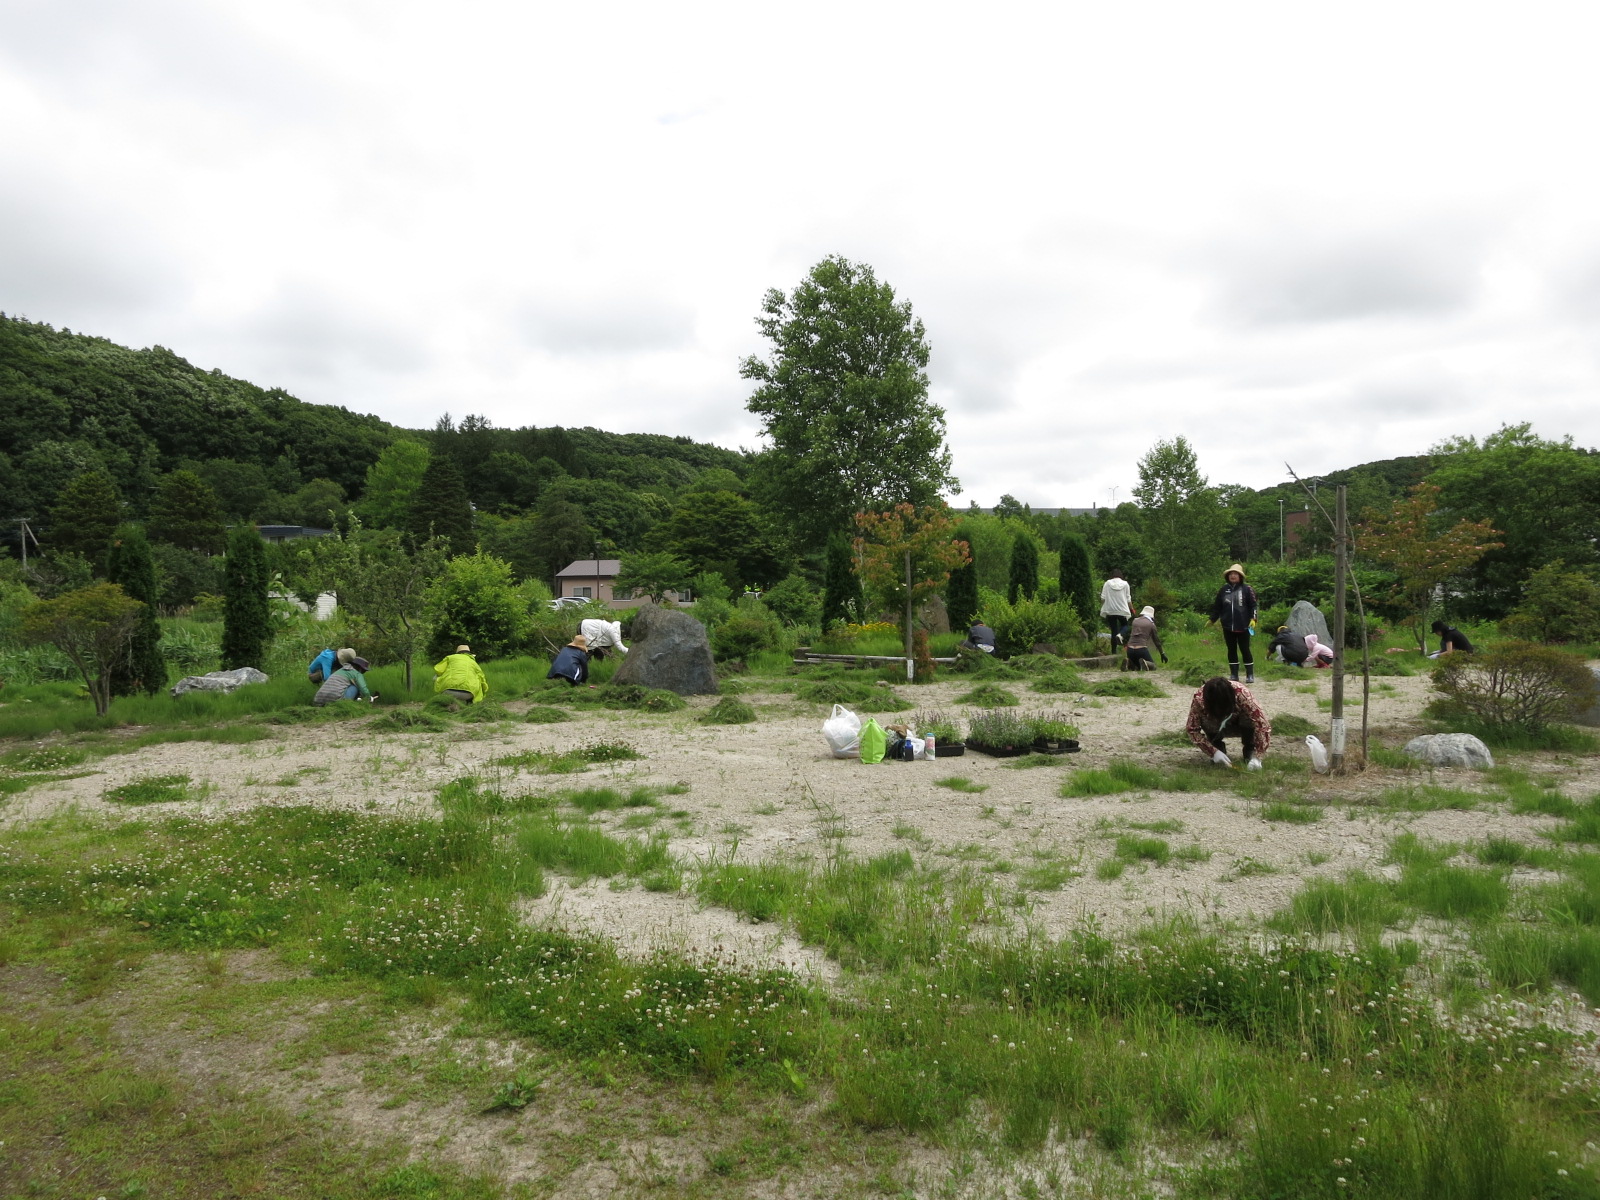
{"points": [[1321, 233]]}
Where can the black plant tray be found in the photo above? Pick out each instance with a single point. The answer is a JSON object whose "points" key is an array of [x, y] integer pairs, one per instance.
{"points": [[949, 749], [1064, 746], [997, 751]]}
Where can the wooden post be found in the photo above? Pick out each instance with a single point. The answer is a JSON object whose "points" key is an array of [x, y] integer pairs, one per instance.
{"points": [[911, 669], [1341, 566]]}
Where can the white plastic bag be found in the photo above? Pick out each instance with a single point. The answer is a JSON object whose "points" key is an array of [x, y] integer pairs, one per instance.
{"points": [[843, 731], [919, 748], [1319, 754]]}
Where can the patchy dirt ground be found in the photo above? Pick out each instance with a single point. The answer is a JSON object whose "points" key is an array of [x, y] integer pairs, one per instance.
{"points": [[770, 789]]}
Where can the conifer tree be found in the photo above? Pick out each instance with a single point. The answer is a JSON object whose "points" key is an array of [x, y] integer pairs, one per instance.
{"points": [[130, 566], [841, 589], [246, 612], [187, 513], [441, 508], [1024, 568], [1077, 583], [85, 518], [961, 595]]}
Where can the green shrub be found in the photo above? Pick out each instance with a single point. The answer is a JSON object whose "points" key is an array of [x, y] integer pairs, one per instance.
{"points": [[1027, 623], [1515, 685], [746, 633]]}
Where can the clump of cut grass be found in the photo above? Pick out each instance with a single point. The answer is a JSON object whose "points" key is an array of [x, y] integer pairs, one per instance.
{"points": [[637, 697], [860, 695], [1428, 798], [544, 714], [730, 710], [988, 695], [1029, 761], [410, 720], [1508, 852], [1120, 775], [1290, 813], [960, 783], [1061, 679], [1192, 853], [484, 713], [151, 789], [604, 751], [1132, 687]]}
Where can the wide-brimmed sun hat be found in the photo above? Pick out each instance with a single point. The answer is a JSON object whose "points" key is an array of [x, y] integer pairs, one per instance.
{"points": [[463, 649], [1236, 569]]}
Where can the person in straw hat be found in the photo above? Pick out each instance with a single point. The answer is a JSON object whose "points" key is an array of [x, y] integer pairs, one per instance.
{"points": [[459, 675], [1235, 610], [572, 663]]}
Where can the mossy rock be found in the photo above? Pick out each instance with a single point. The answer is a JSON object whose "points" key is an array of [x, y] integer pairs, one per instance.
{"points": [[988, 696], [544, 714], [730, 710]]}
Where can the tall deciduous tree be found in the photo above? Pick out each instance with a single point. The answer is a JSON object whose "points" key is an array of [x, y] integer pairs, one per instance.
{"points": [[86, 517], [392, 485], [560, 534], [188, 514], [382, 584], [844, 399], [1077, 581], [1543, 495], [1024, 580], [441, 508], [1185, 525], [653, 574], [1414, 541], [91, 626], [130, 566], [246, 610], [721, 531]]}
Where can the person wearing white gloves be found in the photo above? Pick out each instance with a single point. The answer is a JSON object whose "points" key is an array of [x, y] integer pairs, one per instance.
{"points": [[1224, 708]]}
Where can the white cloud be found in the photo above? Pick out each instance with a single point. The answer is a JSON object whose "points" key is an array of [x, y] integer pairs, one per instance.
{"points": [[1249, 225]]}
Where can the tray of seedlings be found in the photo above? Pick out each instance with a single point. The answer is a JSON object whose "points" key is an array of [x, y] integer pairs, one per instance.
{"points": [[945, 731], [1001, 733]]}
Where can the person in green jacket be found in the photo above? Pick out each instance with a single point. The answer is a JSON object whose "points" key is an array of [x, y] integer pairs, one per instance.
{"points": [[460, 675]]}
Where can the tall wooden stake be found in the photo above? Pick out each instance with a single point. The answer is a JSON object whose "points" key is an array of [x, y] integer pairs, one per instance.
{"points": [[1341, 568], [911, 669]]}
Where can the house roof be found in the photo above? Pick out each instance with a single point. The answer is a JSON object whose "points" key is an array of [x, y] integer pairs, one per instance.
{"points": [[585, 568]]}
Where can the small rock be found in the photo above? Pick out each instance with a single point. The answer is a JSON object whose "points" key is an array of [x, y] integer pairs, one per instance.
{"points": [[1449, 750]]}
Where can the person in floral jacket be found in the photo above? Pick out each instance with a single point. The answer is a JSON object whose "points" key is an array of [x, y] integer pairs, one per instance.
{"points": [[1224, 708]]}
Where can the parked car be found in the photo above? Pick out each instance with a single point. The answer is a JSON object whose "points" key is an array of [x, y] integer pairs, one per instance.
{"points": [[561, 602]]}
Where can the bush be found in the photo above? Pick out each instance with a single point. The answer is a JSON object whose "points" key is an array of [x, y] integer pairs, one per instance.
{"points": [[1559, 605], [794, 601], [1022, 626], [1515, 685], [750, 630], [477, 602]]}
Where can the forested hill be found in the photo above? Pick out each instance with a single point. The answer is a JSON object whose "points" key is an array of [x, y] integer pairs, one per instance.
{"points": [[71, 403]]}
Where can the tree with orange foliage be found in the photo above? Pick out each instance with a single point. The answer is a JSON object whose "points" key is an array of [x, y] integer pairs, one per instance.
{"points": [[906, 555], [1408, 539]]}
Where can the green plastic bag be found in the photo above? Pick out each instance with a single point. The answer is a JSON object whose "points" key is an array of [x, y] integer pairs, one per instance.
{"points": [[873, 742]]}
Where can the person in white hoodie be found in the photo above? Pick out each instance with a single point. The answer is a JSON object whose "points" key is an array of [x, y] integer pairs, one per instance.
{"points": [[1116, 606], [602, 636]]}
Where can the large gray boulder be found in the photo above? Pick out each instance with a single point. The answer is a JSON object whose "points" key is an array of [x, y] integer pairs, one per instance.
{"points": [[1449, 750], [1305, 617], [1591, 715], [670, 650]]}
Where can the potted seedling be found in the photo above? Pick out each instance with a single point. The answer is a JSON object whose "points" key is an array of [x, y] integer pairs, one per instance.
{"points": [[1054, 734], [945, 731], [999, 733]]}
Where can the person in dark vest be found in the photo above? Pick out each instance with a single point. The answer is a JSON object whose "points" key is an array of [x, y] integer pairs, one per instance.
{"points": [[572, 662], [1451, 640], [980, 638], [1291, 645], [1235, 610]]}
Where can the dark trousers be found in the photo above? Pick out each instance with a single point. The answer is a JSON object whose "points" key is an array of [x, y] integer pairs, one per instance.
{"points": [[1239, 644], [1247, 741], [1139, 660], [1119, 629]]}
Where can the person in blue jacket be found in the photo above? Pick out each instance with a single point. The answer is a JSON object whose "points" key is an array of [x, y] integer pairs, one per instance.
{"points": [[321, 667], [572, 663]]}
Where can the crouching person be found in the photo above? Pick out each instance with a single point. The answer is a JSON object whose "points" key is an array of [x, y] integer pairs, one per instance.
{"points": [[572, 663], [601, 637], [348, 681], [1222, 709], [459, 675]]}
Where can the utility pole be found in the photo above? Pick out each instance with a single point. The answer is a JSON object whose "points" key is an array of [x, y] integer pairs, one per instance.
{"points": [[1341, 555], [911, 668], [22, 523], [1280, 529]]}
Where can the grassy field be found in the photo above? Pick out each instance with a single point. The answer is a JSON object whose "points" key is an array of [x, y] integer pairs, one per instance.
{"points": [[1421, 1029]]}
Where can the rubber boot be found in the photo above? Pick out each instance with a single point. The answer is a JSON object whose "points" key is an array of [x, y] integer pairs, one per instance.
{"points": [[1233, 673], [1249, 675]]}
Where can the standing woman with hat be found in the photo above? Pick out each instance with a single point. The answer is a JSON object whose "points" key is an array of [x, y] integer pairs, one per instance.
{"points": [[459, 675], [1235, 610]]}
